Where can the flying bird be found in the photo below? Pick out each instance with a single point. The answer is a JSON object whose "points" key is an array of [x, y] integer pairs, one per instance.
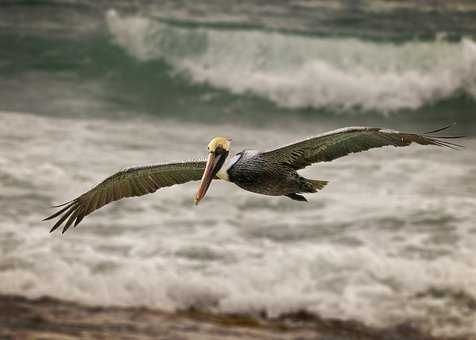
{"points": [[272, 173]]}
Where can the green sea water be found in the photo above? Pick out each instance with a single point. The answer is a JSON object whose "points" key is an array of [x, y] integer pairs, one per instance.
{"points": [[364, 62]]}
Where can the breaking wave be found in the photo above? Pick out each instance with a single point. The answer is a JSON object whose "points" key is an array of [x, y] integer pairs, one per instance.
{"points": [[305, 71]]}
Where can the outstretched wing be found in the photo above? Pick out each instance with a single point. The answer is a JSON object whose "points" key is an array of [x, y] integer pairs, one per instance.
{"points": [[126, 183], [338, 143]]}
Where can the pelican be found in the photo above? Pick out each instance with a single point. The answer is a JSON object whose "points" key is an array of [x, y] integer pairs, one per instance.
{"points": [[272, 173]]}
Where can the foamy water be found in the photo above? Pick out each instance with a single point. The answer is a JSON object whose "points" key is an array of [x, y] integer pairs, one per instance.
{"points": [[390, 239], [300, 71]]}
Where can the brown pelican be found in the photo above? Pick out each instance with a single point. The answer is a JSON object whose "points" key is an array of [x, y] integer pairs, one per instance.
{"points": [[271, 173]]}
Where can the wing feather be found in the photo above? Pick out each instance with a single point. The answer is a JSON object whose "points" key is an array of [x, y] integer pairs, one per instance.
{"points": [[339, 143], [131, 182]]}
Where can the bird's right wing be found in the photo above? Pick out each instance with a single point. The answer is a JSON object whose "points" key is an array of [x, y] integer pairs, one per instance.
{"points": [[131, 182], [338, 143]]}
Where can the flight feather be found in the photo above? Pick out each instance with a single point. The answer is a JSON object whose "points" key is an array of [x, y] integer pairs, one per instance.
{"points": [[130, 182], [341, 142]]}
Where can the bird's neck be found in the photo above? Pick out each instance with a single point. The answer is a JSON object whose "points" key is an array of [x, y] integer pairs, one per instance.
{"points": [[229, 162]]}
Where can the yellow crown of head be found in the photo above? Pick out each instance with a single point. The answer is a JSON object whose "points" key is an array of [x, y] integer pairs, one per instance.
{"points": [[222, 142]]}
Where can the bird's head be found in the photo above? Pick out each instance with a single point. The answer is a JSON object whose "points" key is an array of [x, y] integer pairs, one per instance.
{"points": [[218, 149], [218, 143]]}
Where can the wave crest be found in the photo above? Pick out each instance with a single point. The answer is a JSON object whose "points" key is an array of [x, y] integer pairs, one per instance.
{"points": [[297, 72]]}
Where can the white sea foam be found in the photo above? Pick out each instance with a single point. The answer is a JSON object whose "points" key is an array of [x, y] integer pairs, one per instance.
{"points": [[296, 71], [356, 251]]}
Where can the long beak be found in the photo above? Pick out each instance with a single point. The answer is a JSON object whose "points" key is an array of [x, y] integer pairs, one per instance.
{"points": [[208, 174]]}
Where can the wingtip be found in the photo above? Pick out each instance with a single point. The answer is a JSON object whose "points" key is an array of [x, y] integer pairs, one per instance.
{"points": [[442, 128], [62, 204], [443, 140], [78, 220]]}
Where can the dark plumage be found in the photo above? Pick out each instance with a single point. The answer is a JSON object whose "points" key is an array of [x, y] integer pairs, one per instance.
{"points": [[130, 182]]}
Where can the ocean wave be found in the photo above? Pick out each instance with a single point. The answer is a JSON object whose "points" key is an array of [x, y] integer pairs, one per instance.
{"points": [[345, 255], [303, 71]]}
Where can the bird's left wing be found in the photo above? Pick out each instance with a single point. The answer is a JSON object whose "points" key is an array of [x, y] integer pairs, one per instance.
{"points": [[338, 143], [131, 182]]}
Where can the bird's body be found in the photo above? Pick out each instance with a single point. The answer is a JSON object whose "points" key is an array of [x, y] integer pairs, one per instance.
{"points": [[252, 172], [272, 173]]}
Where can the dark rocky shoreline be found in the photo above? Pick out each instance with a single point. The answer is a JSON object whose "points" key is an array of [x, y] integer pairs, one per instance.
{"points": [[50, 318]]}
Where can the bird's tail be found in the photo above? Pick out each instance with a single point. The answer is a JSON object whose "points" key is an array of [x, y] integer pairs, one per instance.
{"points": [[317, 184]]}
